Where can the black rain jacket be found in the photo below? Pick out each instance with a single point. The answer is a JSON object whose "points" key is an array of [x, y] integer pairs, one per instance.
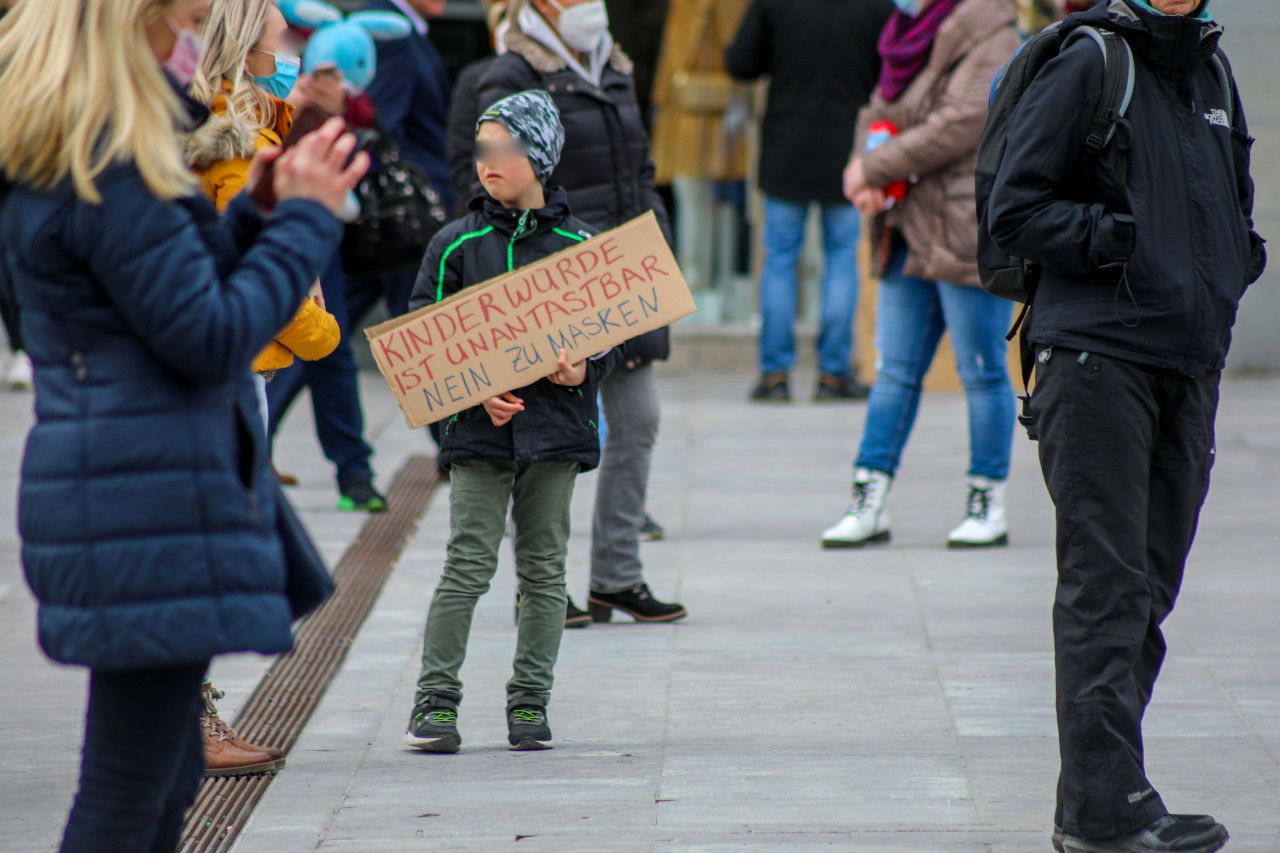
{"points": [[1151, 272]]}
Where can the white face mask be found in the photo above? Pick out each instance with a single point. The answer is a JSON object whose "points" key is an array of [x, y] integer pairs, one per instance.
{"points": [[910, 8], [582, 26]]}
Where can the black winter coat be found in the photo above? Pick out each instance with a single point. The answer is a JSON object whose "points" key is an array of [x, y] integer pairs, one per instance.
{"points": [[558, 424], [820, 56], [1151, 272], [605, 166]]}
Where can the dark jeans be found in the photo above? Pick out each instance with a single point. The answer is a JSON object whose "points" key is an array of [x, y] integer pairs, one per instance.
{"points": [[9, 315], [333, 380], [142, 762], [1126, 452]]}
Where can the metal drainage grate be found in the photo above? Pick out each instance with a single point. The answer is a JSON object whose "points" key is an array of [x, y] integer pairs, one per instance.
{"points": [[292, 688]]}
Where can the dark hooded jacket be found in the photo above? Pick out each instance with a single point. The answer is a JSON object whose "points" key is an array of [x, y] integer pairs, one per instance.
{"points": [[558, 424], [1152, 271]]}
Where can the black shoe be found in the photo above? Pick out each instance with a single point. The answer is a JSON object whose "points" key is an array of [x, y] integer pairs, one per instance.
{"points": [[574, 616], [839, 387], [1169, 834], [433, 726], [359, 495], [772, 388], [651, 531], [637, 601], [1056, 837], [527, 728]]}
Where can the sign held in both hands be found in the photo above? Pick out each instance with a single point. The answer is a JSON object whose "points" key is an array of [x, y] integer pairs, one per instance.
{"points": [[508, 332]]}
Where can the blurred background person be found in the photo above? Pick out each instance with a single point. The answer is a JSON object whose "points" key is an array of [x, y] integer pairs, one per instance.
{"points": [[935, 81], [162, 542], [339, 66], [820, 58], [565, 47], [243, 78]]}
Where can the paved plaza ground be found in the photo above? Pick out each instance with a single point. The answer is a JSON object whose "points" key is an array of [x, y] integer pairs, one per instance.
{"points": [[897, 699]]}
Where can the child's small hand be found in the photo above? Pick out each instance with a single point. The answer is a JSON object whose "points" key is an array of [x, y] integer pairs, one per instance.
{"points": [[503, 408], [572, 375]]}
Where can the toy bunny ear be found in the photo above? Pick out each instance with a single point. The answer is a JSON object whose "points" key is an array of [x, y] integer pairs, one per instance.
{"points": [[308, 13], [382, 25]]}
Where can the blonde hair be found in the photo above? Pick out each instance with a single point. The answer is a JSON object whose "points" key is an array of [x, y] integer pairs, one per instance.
{"points": [[80, 89], [232, 29]]}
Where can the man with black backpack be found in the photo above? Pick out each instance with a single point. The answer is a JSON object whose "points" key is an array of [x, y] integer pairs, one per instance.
{"points": [[1131, 226]]}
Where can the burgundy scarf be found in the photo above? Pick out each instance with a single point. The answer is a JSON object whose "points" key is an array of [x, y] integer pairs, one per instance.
{"points": [[905, 45]]}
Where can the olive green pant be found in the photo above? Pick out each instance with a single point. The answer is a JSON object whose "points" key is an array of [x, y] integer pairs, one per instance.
{"points": [[480, 492]]}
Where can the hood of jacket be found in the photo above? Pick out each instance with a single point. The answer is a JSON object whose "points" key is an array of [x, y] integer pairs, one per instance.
{"points": [[546, 62], [227, 136], [1172, 44]]}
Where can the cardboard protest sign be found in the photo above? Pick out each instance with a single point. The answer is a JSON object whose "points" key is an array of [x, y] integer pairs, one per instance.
{"points": [[507, 332]]}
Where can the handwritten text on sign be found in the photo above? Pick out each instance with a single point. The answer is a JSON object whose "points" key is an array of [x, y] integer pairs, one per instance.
{"points": [[507, 332]]}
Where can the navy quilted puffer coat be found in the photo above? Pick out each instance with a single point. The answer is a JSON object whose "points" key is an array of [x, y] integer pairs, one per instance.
{"points": [[151, 530]]}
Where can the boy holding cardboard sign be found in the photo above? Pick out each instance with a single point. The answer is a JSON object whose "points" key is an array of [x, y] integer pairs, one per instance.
{"points": [[523, 448]]}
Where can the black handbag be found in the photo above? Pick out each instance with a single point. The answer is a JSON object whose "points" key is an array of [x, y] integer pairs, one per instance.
{"points": [[307, 582], [400, 211]]}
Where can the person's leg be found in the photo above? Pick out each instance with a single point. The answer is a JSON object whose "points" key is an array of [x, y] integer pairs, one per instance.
{"points": [[479, 493], [630, 399], [182, 793], [841, 225], [127, 797], [1098, 419], [783, 240], [909, 324], [978, 322], [1180, 465], [540, 510]]}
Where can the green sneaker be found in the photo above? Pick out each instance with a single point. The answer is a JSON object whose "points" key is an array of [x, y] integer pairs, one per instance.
{"points": [[433, 726], [359, 495]]}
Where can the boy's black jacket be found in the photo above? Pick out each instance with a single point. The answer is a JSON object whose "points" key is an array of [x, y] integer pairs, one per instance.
{"points": [[558, 424], [1151, 272]]}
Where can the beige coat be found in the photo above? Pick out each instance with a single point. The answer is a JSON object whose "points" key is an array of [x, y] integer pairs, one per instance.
{"points": [[939, 118], [692, 142]]}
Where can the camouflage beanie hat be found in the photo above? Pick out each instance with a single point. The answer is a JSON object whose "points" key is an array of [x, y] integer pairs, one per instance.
{"points": [[531, 117]]}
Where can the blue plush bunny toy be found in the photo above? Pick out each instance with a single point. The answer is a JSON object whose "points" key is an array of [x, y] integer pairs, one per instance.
{"points": [[343, 43]]}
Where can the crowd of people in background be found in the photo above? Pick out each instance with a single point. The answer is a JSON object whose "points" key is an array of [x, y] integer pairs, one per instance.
{"points": [[183, 274]]}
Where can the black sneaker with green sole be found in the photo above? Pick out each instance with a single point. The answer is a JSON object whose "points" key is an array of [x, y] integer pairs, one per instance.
{"points": [[359, 495], [433, 726], [527, 728]]}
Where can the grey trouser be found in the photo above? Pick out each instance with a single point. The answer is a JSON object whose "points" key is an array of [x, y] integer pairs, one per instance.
{"points": [[630, 400], [480, 491]]}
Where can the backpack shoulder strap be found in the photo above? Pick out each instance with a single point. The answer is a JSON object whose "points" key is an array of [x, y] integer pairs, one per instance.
{"points": [[1119, 79]]}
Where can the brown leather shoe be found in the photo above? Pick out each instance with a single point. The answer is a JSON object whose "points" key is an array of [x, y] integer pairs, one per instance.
{"points": [[225, 752]]}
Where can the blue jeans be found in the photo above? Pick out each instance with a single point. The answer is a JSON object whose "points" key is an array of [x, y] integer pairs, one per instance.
{"points": [[784, 223], [912, 315], [334, 383]]}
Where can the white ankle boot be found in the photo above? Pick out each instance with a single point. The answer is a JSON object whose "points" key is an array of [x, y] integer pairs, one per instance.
{"points": [[984, 523], [866, 522]]}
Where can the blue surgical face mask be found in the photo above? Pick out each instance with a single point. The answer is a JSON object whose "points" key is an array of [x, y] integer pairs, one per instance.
{"points": [[910, 8], [281, 83]]}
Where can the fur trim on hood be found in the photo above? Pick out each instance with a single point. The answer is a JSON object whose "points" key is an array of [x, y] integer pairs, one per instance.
{"points": [[546, 62], [223, 137]]}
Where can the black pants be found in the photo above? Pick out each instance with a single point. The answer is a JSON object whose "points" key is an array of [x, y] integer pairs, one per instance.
{"points": [[1126, 453], [142, 762]]}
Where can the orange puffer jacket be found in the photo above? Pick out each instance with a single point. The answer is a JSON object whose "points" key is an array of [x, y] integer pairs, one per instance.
{"points": [[220, 151]]}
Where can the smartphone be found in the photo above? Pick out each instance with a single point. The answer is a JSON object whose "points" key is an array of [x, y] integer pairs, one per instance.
{"points": [[306, 120]]}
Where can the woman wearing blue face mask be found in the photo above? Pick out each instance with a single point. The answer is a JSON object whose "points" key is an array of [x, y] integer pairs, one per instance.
{"points": [[243, 77]]}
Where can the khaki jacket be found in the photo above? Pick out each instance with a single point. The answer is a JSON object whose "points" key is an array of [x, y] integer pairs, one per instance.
{"points": [[940, 118]]}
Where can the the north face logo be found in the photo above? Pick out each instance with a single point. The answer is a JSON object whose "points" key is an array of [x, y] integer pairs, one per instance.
{"points": [[1218, 118]]}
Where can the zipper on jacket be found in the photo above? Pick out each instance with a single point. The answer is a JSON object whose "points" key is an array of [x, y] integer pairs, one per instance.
{"points": [[526, 217]]}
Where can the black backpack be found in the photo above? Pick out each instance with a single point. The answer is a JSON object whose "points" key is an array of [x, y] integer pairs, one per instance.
{"points": [[1004, 275], [400, 211]]}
